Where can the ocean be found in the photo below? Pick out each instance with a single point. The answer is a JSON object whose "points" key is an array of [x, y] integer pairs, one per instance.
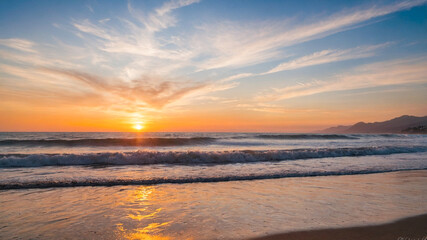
{"points": [[204, 185]]}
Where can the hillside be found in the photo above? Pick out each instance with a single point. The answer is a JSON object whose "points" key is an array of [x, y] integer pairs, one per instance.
{"points": [[402, 124]]}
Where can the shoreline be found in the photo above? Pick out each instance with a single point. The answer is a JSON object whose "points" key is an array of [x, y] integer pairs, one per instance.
{"points": [[410, 228], [227, 210], [154, 182]]}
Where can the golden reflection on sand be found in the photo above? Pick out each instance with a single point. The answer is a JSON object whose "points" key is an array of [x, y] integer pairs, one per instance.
{"points": [[140, 217], [139, 234], [143, 223], [142, 195]]}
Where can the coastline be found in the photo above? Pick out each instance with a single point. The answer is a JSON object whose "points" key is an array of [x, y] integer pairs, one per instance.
{"points": [[410, 228], [243, 209]]}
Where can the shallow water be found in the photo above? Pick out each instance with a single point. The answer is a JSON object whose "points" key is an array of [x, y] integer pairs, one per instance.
{"points": [[29, 160], [224, 210]]}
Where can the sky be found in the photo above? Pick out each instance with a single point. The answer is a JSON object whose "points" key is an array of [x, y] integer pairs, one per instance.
{"points": [[208, 65]]}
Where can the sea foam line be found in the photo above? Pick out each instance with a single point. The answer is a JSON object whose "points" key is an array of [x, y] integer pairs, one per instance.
{"points": [[125, 182], [194, 157]]}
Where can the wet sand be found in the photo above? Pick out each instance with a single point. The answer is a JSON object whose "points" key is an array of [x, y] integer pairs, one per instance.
{"points": [[223, 210], [412, 228]]}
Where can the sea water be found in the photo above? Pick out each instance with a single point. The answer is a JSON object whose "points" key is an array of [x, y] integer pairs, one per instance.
{"points": [[204, 185]]}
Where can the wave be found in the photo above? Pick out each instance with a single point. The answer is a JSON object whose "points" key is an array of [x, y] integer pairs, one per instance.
{"points": [[108, 142], [304, 136], [193, 157], [155, 181]]}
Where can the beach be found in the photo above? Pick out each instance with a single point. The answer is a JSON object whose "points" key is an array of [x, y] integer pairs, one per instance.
{"points": [[404, 229], [222, 210]]}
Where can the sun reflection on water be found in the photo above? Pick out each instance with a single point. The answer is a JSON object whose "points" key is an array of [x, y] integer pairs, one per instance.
{"points": [[143, 222], [142, 194], [140, 217], [139, 234]]}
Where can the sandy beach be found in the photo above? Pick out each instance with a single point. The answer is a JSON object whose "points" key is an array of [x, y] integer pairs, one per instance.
{"points": [[412, 228], [224, 210]]}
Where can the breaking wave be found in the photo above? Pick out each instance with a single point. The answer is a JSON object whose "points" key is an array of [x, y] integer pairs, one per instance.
{"points": [[193, 157]]}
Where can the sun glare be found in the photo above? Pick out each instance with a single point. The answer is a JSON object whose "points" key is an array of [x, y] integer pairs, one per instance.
{"points": [[138, 127]]}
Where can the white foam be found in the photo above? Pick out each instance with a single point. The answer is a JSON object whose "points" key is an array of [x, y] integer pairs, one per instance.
{"points": [[193, 157]]}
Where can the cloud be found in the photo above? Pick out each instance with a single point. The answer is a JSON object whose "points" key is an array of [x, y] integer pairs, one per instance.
{"points": [[161, 94], [90, 8], [161, 17], [317, 58], [238, 76], [143, 43], [105, 20], [19, 44], [265, 41], [149, 92], [154, 91], [136, 35], [35, 87], [146, 43], [138, 41], [272, 108], [408, 71], [328, 56], [35, 60]]}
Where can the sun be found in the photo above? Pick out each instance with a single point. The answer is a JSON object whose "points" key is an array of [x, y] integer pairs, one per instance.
{"points": [[138, 127]]}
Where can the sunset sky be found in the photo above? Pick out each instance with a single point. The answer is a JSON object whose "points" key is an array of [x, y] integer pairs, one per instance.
{"points": [[188, 65]]}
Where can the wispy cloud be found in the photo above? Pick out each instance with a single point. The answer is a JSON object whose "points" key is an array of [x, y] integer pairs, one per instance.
{"points": [[274, 108], [317, 58], [135, 40], [238, 76], [155, 92], [160, 18], [136, 35], [216, 45], [35, 60], [149, 92], [408, 71], [90, 8], [328, 56], [19, 44], [264, 41]]}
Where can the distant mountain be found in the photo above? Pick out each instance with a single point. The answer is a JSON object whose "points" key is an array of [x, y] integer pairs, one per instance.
{"points": [[337, 129], [403, 124]]}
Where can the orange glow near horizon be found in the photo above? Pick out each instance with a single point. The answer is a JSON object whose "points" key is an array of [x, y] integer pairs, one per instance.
{"points": [[70, 119]]}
